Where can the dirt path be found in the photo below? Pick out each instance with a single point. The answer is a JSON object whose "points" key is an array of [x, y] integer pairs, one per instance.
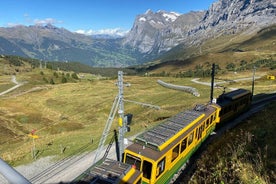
{"points": [[14, 87]]}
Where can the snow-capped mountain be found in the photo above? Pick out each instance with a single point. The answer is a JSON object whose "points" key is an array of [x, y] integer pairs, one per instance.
{"points": [[155, 33], [152, 34], [147, 29]]}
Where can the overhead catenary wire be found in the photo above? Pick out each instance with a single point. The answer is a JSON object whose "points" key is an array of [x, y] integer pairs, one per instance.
{"points": [[143, 104]]}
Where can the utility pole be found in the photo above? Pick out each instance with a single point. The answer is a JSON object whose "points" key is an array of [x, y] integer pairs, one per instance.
{"points": [[253, 81], [121, 120], [212, 83], [117, 104], [40, 64]]}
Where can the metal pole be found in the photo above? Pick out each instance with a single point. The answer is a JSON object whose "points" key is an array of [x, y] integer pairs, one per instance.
{"points": [[11, 174], [121, 122], [253, 81], [212, 83]]}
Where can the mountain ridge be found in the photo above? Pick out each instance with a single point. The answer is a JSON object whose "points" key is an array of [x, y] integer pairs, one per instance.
{"points": [[152, 35], [223, 17]]}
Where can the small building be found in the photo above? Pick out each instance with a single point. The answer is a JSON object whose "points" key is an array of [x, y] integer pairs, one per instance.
{"points": [[271, 76]]}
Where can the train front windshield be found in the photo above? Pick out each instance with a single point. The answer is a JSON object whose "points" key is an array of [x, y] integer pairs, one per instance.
{"points": [[132, 160]]}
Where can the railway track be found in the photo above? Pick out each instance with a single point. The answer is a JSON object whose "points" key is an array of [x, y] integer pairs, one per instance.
{"points": [[185, 173], [56, 172]]}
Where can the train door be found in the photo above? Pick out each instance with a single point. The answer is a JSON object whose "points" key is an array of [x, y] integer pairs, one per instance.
{"points": [[160, 170], [147, 171]]}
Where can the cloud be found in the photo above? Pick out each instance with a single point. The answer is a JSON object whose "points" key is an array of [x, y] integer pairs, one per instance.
{"points": [[29, 21], [114, 32], [46, 21], [11, 24]]}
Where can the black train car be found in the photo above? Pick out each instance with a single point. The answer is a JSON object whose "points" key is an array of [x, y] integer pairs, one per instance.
{"points": [[234, 103]]}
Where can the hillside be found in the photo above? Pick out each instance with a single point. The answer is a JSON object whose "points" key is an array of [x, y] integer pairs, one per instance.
{"points": [[11, 65], [233, 53], [68, 110], [245, 154], [58, 44]]}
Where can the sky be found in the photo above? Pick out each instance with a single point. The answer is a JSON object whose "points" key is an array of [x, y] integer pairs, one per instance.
{"points": [[89, 16]]}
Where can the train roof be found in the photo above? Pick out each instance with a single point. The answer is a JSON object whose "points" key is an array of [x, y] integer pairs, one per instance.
{"points": [[163, 134], [108, 172]]}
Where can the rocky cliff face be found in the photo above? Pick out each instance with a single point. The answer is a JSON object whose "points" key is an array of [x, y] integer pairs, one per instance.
{"points": [[155, 33], [234, 16], [148, 28], [160, 31]]}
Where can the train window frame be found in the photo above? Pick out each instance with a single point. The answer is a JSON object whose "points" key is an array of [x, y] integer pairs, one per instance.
{"points": [[147, 169], [191, 138], [137, 164], [200, 131], [161, 165], [183, 144], [175, 152], [207, 122]]}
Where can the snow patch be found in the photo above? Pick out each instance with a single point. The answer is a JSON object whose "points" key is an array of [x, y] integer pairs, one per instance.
{"points": [[142, 19], [171, 16]]}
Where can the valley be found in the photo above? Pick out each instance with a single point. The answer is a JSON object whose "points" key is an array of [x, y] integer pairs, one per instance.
{"points": [[67, 116]]}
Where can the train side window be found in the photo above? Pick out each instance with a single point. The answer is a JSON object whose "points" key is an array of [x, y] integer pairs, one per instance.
{"points": [[191, 138], [211, 119], [207, 123], [160, 167], [175, 152], [147, 167], [183, 145], [201, 128]]}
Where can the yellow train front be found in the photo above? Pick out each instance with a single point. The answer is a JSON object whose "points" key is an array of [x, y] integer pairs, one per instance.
{"points": [[160, 152]]}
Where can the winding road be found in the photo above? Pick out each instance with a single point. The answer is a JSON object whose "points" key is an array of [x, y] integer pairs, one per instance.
{"points": [[14, 87], [196, 80]]}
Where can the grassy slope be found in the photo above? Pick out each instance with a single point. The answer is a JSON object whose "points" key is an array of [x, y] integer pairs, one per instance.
{"points": [[67, 116], [222, 51], [246, 154], [70, 115]]}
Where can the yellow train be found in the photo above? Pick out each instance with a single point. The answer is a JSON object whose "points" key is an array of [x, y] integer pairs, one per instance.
{"points": [[160, 152], [157, 154]]}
